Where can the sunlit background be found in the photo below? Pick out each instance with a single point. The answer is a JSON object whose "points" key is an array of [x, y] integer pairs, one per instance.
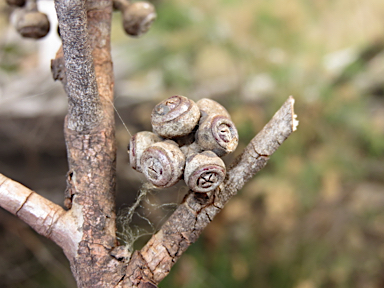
{"points": [[314, 217]]}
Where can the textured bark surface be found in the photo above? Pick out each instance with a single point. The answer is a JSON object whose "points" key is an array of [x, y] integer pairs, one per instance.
{"points": [[89, 225], [83, 101], [87, 231], [89, 135], [92, 186]]}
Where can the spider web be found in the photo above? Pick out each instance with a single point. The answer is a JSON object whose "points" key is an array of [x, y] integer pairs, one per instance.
{"points": [[146, 215]]}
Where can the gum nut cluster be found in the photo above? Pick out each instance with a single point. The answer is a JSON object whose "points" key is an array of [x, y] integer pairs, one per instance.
{"points": [[187, 142]]}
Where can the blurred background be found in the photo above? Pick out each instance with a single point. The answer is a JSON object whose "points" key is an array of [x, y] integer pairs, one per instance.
{"points": [[314, 217]]}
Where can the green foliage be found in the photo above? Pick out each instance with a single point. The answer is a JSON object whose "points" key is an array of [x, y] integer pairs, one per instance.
{"points": [[10, 57], [172, 16]]}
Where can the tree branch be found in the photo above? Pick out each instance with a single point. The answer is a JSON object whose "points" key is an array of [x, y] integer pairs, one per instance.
{"points": [[87, 231], [156, 258], [45, 217], [261, 147], [84, 108]]}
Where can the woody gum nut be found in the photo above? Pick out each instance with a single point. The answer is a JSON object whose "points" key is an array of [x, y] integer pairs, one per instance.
{"points": [[33, 24], [138, 143], [19, 3], [204, 172], [138, 18], [217, 133], [163, 164], [120, 4], [175, 117], [209, 107]]}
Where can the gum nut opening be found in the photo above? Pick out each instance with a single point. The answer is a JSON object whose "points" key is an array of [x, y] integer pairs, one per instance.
{"points": [[175, 117]]}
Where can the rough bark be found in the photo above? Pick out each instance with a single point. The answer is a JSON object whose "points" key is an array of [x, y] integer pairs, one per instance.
{"points": [[93, 238], [83, 101], [86, 232], [90, 140]]}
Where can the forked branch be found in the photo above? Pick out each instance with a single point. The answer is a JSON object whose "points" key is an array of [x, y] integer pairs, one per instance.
{"points": [[150, 265], [86, 232]]}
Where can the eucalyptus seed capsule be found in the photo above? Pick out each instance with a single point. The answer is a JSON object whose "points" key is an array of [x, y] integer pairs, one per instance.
{"points": [[204, 172], [31, 22], [138, 143], [137, 16], [18, 3], [216, 130], [163, 164], [218, 134], [174, 117], [210, 107]]}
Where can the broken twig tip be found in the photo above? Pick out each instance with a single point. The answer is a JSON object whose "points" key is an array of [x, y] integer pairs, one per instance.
{"points": [[295, 122]]}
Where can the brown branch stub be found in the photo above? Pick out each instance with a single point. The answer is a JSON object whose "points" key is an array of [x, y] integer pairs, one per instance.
{"points": [[58, 67], [185, 225], [45, 217], [84, 108], [33, 209], [12, 194]]}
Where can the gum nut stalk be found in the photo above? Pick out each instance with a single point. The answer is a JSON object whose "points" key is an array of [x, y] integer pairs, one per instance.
{"points": [[175, 117], [163, 164], [18, 3], [204, 172], [33, 24], [138, 143], [217, 133], [138, 18], [209, 107]]}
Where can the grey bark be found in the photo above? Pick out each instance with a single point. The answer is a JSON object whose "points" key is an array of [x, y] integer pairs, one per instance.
{"points": [[84, 108], [86, 232]]}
